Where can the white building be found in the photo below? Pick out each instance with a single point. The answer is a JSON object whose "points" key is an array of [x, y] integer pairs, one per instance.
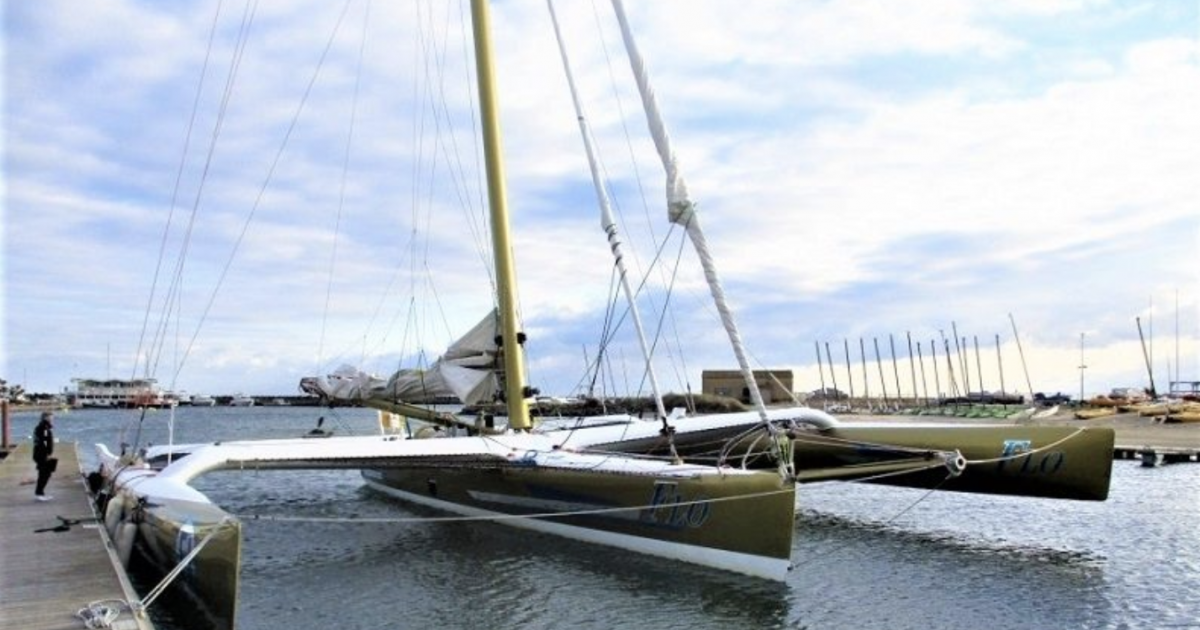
{"points": [[115, 392]]}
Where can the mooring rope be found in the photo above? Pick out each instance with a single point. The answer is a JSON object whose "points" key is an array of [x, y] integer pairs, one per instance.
{"points": [[505, 517], [1035, 451], [827, 552], [102, 613], [166, 581], [568, 514], [925, 495]]}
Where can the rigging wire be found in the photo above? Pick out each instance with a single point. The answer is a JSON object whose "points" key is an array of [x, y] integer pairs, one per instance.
{"points": [[610, 327], [248, 14], [265, 184], [154, 351], [174, 293], [606, 328], [476, 215], [337, 225], [175, 189], [670, 290], [642, 195], [432, 121], [468, 58]]}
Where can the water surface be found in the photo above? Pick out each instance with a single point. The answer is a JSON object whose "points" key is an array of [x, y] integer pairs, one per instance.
{"points": [[866, 557]]}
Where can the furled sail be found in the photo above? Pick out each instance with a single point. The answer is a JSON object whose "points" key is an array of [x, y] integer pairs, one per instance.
{"points": [[467, 371], [608, 223], [680, 208]]}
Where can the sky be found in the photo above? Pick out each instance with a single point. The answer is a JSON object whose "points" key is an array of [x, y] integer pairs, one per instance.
{"points": [[228, 196]]}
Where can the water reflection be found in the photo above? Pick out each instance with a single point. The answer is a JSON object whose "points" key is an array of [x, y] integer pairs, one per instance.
{"points": [[469, 575], [900, 577]]}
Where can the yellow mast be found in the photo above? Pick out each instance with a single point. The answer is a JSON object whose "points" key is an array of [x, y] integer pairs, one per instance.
{"points": [[506, 274]]}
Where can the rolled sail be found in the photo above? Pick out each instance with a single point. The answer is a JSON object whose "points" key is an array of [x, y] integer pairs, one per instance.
{"points": [[467, 371]]}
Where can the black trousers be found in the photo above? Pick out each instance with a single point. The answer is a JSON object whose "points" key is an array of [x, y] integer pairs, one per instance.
{"points": [[44, 471]]}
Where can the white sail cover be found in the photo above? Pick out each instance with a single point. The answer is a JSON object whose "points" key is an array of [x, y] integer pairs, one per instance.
{"points": [[465, 371]]}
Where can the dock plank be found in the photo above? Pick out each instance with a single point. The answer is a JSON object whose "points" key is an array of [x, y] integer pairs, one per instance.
{"points": [[46, 578]]}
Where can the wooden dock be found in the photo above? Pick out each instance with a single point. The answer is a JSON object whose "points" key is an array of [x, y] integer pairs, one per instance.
{"points": [[1152, 456], [47, 577]]}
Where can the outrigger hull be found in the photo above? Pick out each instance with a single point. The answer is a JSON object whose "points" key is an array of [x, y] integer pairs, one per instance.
{"points": [[163, 532], [1052, 462], [1009, 459]]}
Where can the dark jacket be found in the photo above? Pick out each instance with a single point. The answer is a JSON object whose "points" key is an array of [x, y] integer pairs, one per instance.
{"points": [[43, 442]]}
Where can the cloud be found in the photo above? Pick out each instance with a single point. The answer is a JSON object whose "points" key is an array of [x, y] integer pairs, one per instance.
{"points": [[862, 169]]}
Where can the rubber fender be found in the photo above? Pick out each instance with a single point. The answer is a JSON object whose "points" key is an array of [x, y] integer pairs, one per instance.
{"points": [[124, 542], [114, 515]]}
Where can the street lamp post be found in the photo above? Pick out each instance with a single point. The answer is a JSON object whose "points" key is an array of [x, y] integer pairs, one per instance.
{"points": [[1082, 367]]}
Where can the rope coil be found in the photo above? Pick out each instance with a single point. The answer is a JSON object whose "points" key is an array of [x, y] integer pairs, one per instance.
{"points": [[99, 614]]}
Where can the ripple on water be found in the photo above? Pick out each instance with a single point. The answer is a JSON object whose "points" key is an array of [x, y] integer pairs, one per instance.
{"points": [[864, 558]]}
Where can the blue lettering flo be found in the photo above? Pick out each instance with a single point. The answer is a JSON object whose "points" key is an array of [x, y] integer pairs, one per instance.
{"points": [[1013, 448]]}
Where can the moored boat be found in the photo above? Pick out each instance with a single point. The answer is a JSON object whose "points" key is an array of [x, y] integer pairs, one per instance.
{"points": [[203, 400], [716, 490], [1188, 413], [241, 400], [1095, 412]]}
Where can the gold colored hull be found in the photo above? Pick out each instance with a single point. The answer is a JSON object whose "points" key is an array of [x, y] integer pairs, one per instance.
{"points": [[166, 531], [1023, 460], [1038, 461], [740, 522]]}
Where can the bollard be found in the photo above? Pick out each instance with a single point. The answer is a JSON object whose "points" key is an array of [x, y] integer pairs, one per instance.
{"points": [[5, 441]]}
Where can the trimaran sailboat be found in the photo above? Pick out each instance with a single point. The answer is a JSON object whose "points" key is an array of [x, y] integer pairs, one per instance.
{"points": [[715, 490]]}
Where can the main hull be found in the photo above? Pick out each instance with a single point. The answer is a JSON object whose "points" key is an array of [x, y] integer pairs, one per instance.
{"points": [[735, 520], [731, 519]]}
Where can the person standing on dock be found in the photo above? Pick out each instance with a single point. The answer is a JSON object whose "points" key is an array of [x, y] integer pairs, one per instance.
{"points": [[43, 448]]}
